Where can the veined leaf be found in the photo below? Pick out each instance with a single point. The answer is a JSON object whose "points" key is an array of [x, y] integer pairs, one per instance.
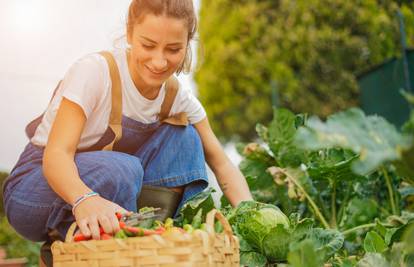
{"points": [[359, 211], [374, 139], [203, 200], [305, 254], [332, 164], [374, 243], [256, 169], [276, 243], [281, 133], [373, 260], [252, 259], [326, 241]]}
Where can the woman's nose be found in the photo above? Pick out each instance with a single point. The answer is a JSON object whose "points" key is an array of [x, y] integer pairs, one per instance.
{"points": [[159, 63]]}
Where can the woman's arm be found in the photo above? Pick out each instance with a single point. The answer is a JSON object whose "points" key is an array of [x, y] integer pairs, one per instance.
{"points": [[231, 180], [62, 174], [58, 160]]}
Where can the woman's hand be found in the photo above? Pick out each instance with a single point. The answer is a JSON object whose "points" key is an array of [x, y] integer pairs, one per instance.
{"points": [[97, 211]]}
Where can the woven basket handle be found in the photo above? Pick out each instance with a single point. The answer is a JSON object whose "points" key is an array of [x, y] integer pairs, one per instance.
{"points": [[215, 214], [70, 233]]}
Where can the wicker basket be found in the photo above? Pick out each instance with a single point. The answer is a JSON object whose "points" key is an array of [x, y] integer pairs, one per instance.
{"points": [[174, 248]]}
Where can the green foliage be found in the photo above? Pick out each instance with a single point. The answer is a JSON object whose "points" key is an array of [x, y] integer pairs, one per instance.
{"points": [[3, 176], [324, 184], [320, 183], [265, 233], [191, 209], [374, 243], [16, 246], [311, 49], [372, 137], [390, 245], [305, 254]]}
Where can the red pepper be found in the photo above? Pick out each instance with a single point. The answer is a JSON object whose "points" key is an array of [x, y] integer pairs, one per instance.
{"points": [[160, 230], [122, 225], [106, 236], [134, 231], [81, 237], [138, 231]]}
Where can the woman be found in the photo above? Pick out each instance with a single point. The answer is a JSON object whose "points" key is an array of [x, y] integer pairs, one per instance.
{"points": [[64, 175]]}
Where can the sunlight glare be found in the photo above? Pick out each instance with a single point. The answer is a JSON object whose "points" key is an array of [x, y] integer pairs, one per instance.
{"points": [[28, 16]]}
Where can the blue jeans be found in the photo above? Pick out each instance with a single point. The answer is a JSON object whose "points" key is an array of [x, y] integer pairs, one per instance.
{"points": [[152, 154]]}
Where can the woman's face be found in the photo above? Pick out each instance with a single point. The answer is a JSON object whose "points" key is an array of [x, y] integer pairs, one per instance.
{"points": [[158, 47]]}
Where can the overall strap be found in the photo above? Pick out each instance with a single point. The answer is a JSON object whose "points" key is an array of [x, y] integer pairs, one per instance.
{"points": [[181, 119], [115, 119]]}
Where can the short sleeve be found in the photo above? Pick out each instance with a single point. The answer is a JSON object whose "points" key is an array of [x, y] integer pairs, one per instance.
{"points": [[85, 81], [189, 104]]}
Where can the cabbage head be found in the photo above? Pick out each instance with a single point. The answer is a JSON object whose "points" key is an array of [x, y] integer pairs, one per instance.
{"points": [[255, 222], [266, 234]]}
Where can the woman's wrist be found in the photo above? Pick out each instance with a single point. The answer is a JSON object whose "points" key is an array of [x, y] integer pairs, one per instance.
{"points": [[82, 198]]}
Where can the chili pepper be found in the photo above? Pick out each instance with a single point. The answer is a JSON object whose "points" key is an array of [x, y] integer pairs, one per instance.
{"points": [[138, 231], [160, 230], [122, 224], [106, 236], [133, 231], [81, 237]]}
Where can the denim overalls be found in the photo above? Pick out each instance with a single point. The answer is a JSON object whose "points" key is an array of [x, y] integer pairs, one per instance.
{"points": [[152, 154]]}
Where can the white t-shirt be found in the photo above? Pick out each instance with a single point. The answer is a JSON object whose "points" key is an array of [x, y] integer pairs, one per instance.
{"points": [[88, 84]]}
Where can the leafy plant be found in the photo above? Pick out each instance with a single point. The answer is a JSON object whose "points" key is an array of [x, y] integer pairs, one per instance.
{"points": [[345, 173], [202, 201], [267, 235], [16, 246], [3, 176]]}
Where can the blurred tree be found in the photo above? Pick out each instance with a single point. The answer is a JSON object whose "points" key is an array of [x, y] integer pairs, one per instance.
{"points": [[311, 49]]}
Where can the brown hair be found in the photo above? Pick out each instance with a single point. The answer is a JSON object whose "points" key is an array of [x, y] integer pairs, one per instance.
{"points": [[180, 9]]}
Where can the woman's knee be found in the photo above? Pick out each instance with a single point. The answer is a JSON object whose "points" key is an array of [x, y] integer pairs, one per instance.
{"points": [[114, 169], [185, 136], [28, 221]]}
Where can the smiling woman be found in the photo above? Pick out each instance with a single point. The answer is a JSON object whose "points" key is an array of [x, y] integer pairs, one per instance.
{"points": [[128, 103]]}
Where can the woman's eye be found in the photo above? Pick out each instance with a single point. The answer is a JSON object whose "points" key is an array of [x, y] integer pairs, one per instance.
{"points": [[174, 50], [147, 46]]}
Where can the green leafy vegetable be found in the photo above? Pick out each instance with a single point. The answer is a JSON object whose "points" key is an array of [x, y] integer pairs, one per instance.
{"points": [[305, 254], [373, 138], [374, 243]]}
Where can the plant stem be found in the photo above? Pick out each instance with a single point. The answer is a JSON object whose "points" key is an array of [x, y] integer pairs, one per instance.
{"points": [[390, 191], [333, 205], [344, 203], [369, 225], [311, 202]]}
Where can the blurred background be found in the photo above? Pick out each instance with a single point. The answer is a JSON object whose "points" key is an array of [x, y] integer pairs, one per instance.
{"points": [[313, 56]]}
